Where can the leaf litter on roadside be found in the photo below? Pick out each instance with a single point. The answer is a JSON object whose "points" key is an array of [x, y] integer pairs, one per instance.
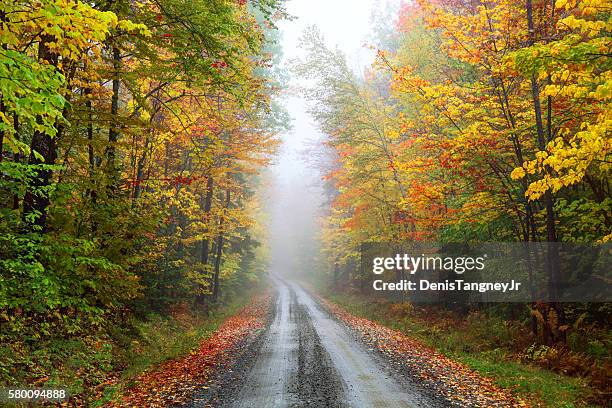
{"points": [[460, 385], [174, 382]]}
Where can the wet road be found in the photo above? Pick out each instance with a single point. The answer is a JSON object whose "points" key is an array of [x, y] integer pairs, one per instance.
{"points": [[307, 359]]}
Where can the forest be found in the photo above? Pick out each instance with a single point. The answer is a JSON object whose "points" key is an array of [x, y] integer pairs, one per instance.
{"points": [[479, 121], [131, 134], [134, 140]]}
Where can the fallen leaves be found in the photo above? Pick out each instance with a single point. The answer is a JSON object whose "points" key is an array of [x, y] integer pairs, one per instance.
{"points": [[460, 385], [175, 382]]}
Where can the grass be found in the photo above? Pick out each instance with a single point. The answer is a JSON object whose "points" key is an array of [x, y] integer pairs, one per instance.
{"points": [[162, 338], [485, 344], [539, 386]]}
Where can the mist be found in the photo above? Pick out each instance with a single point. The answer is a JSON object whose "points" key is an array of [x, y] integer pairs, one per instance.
{"points": [[294, 196]]}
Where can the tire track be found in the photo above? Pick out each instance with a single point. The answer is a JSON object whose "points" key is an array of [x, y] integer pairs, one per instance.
{"points": [[306, 359], [316, 383]]}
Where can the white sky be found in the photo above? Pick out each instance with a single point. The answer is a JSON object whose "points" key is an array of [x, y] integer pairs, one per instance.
{"points": [[344, 23], [294, 195]]}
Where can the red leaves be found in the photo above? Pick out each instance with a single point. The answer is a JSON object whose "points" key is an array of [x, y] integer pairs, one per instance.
{"points": [[174, 382], [219, 64], [165, 37], [133, 183], [402, 217], [204, 130], [182, 180]]}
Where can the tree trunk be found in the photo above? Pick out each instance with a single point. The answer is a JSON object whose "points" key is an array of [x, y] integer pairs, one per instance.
{"points": [[206, 205], [3, 110], [140, 174], [336, 272], [35, 201], [16, 158], [218, 255], [2, 107], [113, 131], [552, 265], [219, 245]]}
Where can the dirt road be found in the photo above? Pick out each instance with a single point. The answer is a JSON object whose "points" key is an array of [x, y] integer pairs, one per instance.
{"points": [[308, 359]]}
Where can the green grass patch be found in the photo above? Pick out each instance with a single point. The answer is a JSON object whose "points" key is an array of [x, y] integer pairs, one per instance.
{"points": [[539, 386], [161, 338]]}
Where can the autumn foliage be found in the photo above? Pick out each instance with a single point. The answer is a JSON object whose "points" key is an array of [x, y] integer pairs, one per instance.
{"points": [[477, 121], [176, 381], [132, 134]]}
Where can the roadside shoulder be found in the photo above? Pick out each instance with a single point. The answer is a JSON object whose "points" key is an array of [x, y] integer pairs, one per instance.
{"points": [[412, 361], [193, 378]]}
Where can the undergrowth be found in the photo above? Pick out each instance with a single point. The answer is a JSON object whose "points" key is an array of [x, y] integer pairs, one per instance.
{"points": [[503, 350]]}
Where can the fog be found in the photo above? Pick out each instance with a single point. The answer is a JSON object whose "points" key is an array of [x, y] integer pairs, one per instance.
{"points": [[294, 194]]}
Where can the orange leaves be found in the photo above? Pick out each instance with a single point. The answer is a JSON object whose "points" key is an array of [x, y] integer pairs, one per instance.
{"points": [[175, 381], [410, 12], [205, 129]]}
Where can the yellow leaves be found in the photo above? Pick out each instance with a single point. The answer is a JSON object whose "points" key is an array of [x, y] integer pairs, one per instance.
{"points": [[481, 206], [587, 7], [68, 27], [575, 91], [603, 91], [557, 48], [480, 37], [566, 163], [462, 126], [561, 76], [73, 26], [393, 134], [130, 27], [570, 22], [594, 6], [551, 90], [537, 189], [590, 28], [518, 173]]}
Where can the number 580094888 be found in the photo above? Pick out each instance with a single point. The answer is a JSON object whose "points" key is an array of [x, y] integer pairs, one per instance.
{"points": [[30, 394]]}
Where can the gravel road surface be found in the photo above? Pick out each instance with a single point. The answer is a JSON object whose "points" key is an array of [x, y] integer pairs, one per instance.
{"points": [[308, 359]]}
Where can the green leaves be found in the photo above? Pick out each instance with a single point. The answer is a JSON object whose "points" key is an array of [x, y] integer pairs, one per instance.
{"points": [[33, 92], [140, 102]]}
